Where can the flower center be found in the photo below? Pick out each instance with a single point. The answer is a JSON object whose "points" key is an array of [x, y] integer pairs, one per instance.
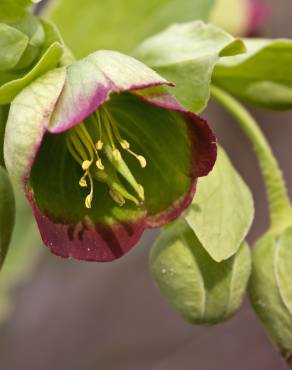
{"points": [[96, 147]]}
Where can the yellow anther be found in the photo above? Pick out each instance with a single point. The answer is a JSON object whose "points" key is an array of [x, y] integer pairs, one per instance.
{"points": [[142, 160], [99, 164], [88, 201], [125, 145], [86, 164], [83, 182], [99, 145], [88, 145], [89, 198]]}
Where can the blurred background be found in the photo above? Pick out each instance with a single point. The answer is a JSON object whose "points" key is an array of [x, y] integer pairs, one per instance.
{"points": [[66, 315]]}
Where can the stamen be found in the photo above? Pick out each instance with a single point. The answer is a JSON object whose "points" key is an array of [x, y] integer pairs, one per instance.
{"points": [[141, 192], [84, 135], [84, 146], [125, 145], [78, 145], [83, 182], [72, 151], [86, 164], [110, 130], [88, 201], [89, 198], [99, 145], [99, 164]]}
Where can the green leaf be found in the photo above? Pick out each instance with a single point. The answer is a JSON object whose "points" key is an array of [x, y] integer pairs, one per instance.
{"points": [[186, 55], [13, 10], [52, 51], [222, 210], [201, 290], [12, 45], [119, 25], [261, 77], [7, 213], [265, 292]]}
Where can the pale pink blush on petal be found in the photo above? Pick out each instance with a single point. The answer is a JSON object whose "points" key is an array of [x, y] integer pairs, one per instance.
{"points": [[259, 12]]}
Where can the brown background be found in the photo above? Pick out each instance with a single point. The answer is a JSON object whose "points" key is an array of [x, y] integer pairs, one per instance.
{"points": [[80, 316]]}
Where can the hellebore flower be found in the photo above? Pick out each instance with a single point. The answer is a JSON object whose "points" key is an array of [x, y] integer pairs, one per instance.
{"points": [[241, 17], [103, 152], [258, 14]]}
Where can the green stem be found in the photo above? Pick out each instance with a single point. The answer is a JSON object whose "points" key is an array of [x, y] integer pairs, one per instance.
{"points": [[279, 203]]}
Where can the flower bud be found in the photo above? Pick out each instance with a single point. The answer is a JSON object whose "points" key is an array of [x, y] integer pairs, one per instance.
{"points": [[21, 44], [29, 47], [270, 288], [201, 290], [7, 213]]}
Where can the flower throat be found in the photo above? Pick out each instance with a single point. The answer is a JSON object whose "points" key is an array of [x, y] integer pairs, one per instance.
{"points": [[96, 148]]}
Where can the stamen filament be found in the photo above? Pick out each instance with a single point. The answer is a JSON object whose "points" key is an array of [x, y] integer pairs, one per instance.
{"points": [[83, 134], [126, 146], [89, 198], [83, 182], [73, 152], [124, 143], [78, 145], [84, 146], [99, 143]]}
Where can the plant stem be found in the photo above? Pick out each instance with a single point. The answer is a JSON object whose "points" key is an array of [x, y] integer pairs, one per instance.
{"points": [[278, 199]]}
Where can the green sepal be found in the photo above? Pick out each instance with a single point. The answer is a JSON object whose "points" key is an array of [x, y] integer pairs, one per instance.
{"points": [[13, 43], [201, 290], [186, 55], [222, 211], [262, 77], [7, 213]]}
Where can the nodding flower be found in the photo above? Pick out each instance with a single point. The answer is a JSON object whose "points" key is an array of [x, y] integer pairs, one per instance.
{"points": [[104, 151]]}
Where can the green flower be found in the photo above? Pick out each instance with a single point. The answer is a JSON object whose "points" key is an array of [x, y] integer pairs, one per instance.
{"points": [[104, 152]]}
